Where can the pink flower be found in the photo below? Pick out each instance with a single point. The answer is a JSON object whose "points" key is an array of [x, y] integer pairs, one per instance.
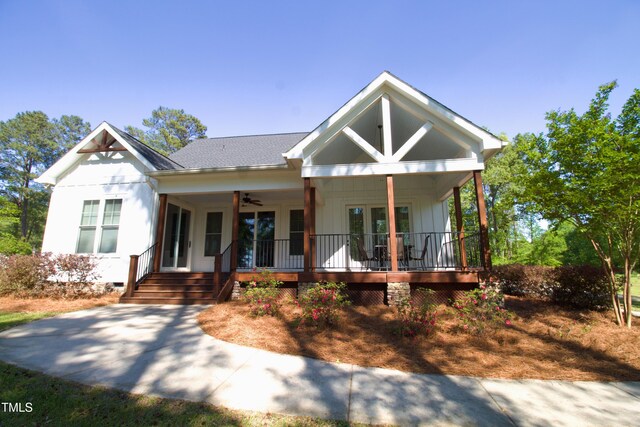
{"points": [[484, 296], [508, 322]]}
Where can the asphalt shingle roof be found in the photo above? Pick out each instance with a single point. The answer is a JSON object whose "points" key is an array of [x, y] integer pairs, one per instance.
{"points": [[237, 151], [159, 161]]}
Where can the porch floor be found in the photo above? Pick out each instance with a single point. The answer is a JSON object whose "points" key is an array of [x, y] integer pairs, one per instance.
{"points": [[201, 287]]}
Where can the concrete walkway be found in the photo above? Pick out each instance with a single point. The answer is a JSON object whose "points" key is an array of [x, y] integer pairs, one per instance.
{"points": [[160, 350]]}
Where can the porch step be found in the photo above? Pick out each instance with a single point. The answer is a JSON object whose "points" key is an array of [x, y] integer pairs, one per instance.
{"points": [[172, 300], [189, 294], [175, 287], [180, 275], [179, 281]]}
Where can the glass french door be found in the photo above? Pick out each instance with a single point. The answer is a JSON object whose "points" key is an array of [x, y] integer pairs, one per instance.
{"points": [[369, 224], [256, 239], [177, 241]]}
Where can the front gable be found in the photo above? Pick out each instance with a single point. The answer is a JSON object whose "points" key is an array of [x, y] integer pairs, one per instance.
{"points": [[391, 128], [106, 143]]}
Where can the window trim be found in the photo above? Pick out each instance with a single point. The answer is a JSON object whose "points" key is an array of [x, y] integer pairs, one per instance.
{"points": [[99, 226]]}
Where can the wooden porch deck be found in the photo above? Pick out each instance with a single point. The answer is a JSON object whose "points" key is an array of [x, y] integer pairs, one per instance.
{"points": [[208, 288]]}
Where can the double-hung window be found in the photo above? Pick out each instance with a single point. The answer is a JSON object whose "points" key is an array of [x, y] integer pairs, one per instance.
{"points": [[99, 225]]}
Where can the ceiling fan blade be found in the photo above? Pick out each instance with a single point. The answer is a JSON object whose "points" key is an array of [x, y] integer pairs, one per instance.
{"points": [[256, 202]]}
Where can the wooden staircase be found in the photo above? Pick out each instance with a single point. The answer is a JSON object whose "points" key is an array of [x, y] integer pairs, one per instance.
{"points": [[174, 288]]}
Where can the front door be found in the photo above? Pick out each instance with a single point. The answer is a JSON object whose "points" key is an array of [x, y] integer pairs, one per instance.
{"points": [[176, 252], [256, 239]]}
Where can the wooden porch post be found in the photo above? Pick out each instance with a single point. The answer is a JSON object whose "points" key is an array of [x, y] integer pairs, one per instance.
{"points": [[235, 230], [313, 228], [482, 220], [393, 241], [131, 279], [162, 214], [460, 227], [307, 225]]}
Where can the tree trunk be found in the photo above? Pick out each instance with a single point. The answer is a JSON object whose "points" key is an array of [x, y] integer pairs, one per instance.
{"points": [[626, 292]]}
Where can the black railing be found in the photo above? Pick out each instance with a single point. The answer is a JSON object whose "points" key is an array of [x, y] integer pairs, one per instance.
{"points": [[416, 251], [277, 254], [349, 251], [437, 250], [225, 260], [145, 263]]}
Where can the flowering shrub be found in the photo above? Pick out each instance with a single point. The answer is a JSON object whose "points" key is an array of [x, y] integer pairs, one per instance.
{"points": [[481, 310], [44, 275], [262, 294], [417, 319], [321, 304]]}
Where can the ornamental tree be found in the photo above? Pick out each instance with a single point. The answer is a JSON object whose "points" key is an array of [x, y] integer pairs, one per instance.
{"points": [[586, 170]]}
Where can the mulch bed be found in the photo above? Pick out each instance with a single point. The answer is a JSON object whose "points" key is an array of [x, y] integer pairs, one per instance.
{"points": [[545, 342], [31, 305]]}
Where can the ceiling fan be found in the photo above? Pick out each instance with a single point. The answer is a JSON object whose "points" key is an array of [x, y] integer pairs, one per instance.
{"points": [[249, 201]]}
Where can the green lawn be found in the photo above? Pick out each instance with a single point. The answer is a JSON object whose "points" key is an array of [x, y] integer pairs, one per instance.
{"points": [[58, 402], [10, 319]]}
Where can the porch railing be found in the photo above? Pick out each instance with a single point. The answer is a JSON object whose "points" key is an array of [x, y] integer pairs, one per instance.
{"points": [[140, 266], [416, 251], [278, 254]]}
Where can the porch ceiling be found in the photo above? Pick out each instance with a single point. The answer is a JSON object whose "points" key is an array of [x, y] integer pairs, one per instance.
{"points": [[266, 197]]}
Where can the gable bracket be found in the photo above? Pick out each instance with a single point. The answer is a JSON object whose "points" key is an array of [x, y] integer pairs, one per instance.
{"points": [[411, 142], [364, 145]]}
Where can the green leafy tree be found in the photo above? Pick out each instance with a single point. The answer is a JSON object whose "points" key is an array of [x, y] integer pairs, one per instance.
{"points": [[27, 147], [168, 129], [585, 171], [29, 144], [70, 130]]}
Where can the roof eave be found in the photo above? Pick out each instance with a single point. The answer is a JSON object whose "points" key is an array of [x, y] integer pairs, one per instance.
{"points": [[217, 170]]}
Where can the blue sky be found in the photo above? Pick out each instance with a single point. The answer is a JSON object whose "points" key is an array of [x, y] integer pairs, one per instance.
{"points": [[248, 67]]}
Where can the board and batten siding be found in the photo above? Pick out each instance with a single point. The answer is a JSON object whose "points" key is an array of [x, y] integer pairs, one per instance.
{"points": [[99, 178]]}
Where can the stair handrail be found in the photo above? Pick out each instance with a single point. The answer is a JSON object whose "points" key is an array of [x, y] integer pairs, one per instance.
{"points": [[140, 266]]}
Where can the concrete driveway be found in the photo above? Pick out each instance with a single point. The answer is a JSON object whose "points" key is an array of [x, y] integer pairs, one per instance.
{"points": [[161, 350]]}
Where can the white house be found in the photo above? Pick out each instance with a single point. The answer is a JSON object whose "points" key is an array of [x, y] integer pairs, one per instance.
{"points": [[362, 199]]}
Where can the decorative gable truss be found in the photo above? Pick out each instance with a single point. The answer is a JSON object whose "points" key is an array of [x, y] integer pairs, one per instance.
{"points": [[391, 128]]}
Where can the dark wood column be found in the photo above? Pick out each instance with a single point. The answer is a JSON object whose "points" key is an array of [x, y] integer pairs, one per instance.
{"points": [[393, 241], [482, 220], [235, 229], [307, 225], [313, 228], [162, 214], [460, 227]]}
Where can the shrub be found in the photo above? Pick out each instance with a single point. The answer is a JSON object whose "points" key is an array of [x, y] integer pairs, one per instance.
{"points": [[43, 275], [481, 310], [417, 319], [321, 304], [525, 280], [262, 294], [583, 287], [25, 275]]}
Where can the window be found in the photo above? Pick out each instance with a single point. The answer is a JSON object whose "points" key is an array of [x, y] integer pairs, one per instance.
{"points": [[213, 234], [87, 234], [110, 223], [296, 232]]}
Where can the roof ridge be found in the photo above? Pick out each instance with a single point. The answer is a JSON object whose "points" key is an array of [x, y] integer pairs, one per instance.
{"points": [[252, 135]]}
